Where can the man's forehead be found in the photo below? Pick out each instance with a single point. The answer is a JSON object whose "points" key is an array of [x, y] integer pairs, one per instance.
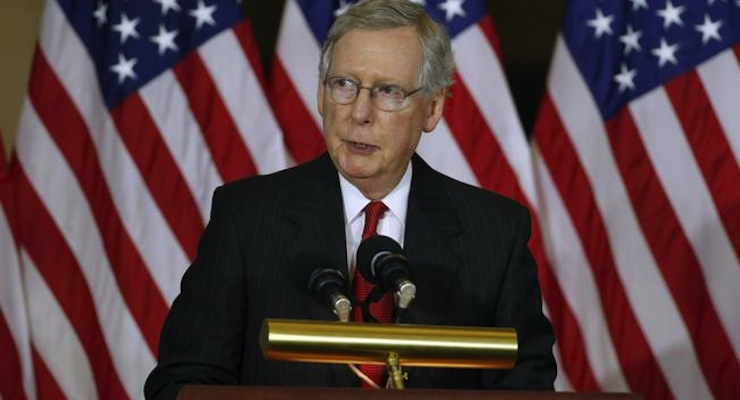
{"points": [[392, 42], [393, 53], [400, 34]]}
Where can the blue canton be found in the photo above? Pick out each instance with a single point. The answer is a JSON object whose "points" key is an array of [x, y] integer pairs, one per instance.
{"points": [[133, 41], [625, 48]]}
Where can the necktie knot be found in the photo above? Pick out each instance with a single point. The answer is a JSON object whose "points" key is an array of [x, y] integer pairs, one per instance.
{"points": [[374, 211]]}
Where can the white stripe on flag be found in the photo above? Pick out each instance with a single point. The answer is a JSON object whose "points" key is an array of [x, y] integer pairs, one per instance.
{"points": [[562, 382], [686, 189], [440, 149], [721, 78], [63, 198], [645, 288], [242, 93], [168, 107], [483, 76], [13, 303], [573, 272], [55, 339], [296, 44], [162, 253]]}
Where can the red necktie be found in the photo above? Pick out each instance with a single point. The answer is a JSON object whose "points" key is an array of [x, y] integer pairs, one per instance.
{"points": [[382, 310]]}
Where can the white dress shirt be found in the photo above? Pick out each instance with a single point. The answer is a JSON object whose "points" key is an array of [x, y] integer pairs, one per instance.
{"points": [[392, 224]]}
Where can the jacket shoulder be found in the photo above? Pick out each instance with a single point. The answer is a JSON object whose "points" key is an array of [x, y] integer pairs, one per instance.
{"points": [[489, 201]]}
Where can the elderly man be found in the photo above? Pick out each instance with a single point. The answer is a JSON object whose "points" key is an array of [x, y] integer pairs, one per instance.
{"points": [[384, 73]]}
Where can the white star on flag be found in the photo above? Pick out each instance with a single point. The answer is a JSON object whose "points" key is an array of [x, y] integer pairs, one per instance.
{"points": [[100, 14], [203, 15], [666, 53], [452, 8], [626, 78], [165, 40], [124, 68], [168, 5], [127, 28], [631, 40], [637, 4], [671, 15], [601, 23], [709, 30]]}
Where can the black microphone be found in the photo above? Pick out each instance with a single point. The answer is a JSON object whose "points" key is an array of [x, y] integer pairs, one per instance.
{"points": [[381, 261], [325, 283]]}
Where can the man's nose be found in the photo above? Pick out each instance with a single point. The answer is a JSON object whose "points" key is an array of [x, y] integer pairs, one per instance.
{"points": [[362, 108]]}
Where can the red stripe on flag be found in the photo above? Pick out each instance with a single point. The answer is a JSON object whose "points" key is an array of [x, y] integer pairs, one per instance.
{"points": [[243, 32], [672, 250], [159, 170], [567, 331], [301, 134], [478, 144], [11, 379], [711, 149], [229, 152], [7, 198], [67, 128], [486, 25], [47, 387], [638, 363], [58, 266]]}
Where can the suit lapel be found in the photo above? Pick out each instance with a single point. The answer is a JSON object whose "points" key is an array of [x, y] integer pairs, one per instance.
{"points": [[431, 244], [316, 211]]}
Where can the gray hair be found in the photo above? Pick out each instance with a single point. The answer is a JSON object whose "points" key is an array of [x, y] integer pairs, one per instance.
{"points": [[438, 63]]}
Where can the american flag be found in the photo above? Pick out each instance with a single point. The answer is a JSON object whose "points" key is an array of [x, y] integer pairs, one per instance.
{"points": [[136, 111], [636, 152]]}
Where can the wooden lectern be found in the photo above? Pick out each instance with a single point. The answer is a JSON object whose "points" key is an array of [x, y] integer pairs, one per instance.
{"points": [[200, 392]]}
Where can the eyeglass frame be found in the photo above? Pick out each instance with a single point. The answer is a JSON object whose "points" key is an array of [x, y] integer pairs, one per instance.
{"points": [[372, 89]]}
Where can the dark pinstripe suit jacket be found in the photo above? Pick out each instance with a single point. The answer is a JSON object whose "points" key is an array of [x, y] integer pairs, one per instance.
{"points": [[468, 248]]}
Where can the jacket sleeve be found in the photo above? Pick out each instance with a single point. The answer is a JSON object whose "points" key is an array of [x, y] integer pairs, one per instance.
{"points": [[520, 306], [203, 335]]}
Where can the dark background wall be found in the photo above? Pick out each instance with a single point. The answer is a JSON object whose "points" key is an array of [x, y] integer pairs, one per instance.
{"points": [[526, 31]]}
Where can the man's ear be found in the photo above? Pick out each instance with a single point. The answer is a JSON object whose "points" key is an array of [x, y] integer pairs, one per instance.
{"points": [[436, 107], [320, 99]]}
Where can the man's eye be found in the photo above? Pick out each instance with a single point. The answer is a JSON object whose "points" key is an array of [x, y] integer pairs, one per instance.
{"points": [[344, 83], [390, 91]]}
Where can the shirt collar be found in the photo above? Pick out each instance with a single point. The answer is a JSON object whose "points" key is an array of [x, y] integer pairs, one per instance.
{"points": [[397, 200]]}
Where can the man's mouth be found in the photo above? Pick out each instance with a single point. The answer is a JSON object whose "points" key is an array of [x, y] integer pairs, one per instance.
{"points": [[360, 147]]}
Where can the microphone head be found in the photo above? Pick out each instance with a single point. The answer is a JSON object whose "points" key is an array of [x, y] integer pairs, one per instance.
{"points": [[312, 274], [376, 253]]}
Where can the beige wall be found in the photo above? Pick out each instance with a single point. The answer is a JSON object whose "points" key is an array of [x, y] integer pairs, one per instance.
{"points": [[19, 25]]}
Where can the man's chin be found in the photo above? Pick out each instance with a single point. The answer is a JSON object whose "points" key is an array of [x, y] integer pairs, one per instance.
{"points": [[354, 174]]}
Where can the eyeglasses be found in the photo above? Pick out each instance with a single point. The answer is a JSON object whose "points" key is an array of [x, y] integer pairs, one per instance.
{"points": [[386, 97]]}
